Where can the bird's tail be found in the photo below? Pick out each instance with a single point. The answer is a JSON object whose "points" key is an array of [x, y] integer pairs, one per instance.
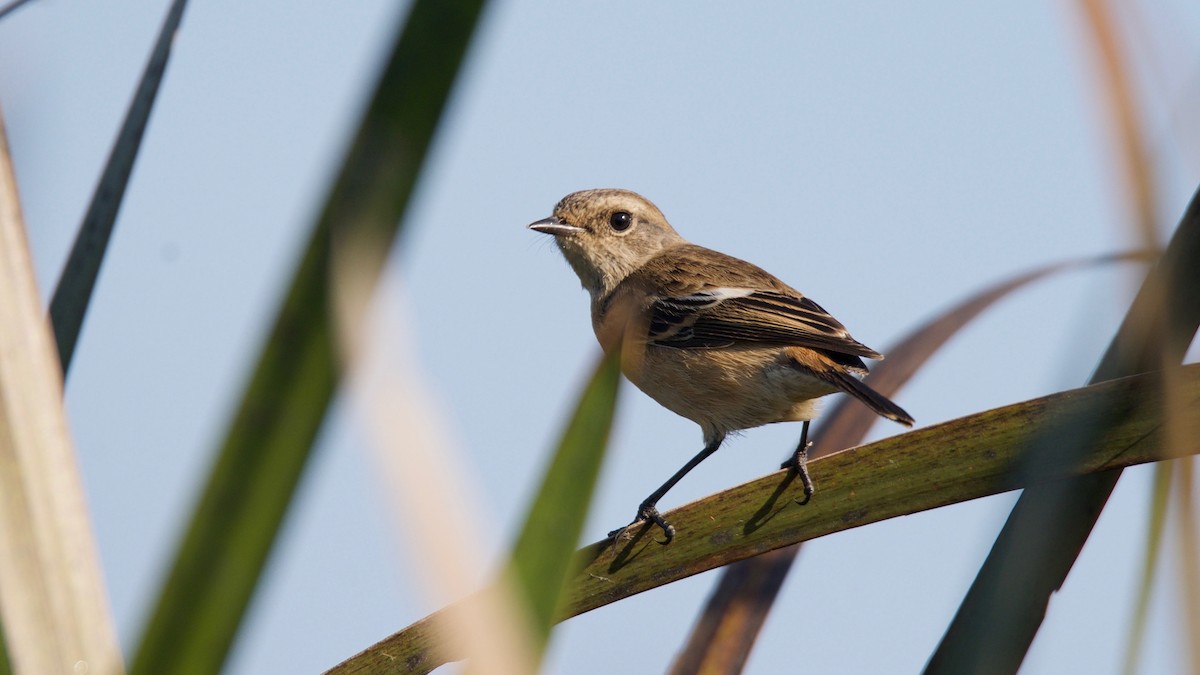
{"points": [[838, 370], [872, 399]]}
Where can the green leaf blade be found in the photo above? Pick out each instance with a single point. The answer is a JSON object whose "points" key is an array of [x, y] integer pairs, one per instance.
{"points": [[545, 549], [221, 558], [1046, 531], [952, 462]]}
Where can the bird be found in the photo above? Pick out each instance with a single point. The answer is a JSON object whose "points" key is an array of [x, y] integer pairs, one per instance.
{"points": [[713, 338]]}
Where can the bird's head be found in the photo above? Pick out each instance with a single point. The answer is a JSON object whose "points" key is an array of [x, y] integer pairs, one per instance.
{"points": [[607, 234]]}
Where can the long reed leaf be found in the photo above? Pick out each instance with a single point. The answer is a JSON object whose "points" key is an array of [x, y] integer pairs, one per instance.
{"points": [[1154, 536], [221, 557], [421, 475], [5, 666], [967, 458], [68, 306], [1189, 557], [545, 549], [994, 626], [52, 600]]}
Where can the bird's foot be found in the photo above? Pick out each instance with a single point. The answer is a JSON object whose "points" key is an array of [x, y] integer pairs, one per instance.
{"points": [[799, 462], [648, 512]]}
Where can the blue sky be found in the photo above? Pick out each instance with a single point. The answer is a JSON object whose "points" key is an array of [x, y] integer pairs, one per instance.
{"points": [[885, 159]]}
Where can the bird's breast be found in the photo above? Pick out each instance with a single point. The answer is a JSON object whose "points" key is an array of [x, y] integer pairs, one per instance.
{"points": [[725, 389], [620, 321]]}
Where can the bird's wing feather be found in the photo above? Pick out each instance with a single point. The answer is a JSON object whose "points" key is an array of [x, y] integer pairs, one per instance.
{"points": [[722, 317]]}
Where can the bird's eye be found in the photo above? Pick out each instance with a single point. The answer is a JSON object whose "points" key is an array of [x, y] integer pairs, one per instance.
{"points": [[620, 221]]}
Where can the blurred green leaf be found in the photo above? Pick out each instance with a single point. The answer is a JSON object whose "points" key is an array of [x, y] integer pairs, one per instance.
{"points": [[545, 549], [544, 554], [222, 555], [1047, 528], [5, 667], [69, 304], [967, 458], [1154, 537], [736, 609], [1188, 546]]}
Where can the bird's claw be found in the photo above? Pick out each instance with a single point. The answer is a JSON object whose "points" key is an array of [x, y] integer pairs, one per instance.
{"points": [[799, 463], [648, 512]]}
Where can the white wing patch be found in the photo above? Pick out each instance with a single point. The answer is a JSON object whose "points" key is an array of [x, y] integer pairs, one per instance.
{"points": [[708, 298]]}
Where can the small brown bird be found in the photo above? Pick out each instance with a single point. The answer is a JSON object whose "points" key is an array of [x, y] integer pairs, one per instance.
{"points": [[710, 337]]}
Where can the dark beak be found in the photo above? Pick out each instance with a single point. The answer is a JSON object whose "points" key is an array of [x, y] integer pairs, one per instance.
{"points": [[554, 226]]}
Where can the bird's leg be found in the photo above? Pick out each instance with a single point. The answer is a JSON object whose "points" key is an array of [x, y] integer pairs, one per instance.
{"points": [[799, 462], [648, 509]]}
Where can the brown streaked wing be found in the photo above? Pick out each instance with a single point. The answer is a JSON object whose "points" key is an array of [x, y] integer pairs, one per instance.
{"points": [[722, 317]]}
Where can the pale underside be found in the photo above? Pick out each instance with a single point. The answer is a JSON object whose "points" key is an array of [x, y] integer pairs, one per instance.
{"points": [[743, 388]]}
